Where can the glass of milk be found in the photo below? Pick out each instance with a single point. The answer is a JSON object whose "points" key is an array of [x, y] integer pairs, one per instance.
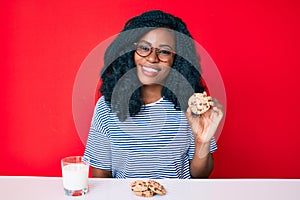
{"points": [[75, 172]]}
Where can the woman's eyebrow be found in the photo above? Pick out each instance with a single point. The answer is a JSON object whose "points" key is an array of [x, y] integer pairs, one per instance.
{"points": [[165, 45], [161, 45], [146, 42]]}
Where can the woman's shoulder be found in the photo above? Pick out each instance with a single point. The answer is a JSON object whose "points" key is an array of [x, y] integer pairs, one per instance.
{"points": [[102, 106], [101, 100]]}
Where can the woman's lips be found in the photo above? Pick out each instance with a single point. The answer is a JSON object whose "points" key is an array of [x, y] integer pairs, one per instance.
{"points": [[150, 70]]}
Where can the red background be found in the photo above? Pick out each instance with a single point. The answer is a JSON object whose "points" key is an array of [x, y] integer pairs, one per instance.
{"points": [[255, 45]]}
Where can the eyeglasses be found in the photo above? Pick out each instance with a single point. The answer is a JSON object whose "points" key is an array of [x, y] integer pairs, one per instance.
{"points": [[144, 49]]}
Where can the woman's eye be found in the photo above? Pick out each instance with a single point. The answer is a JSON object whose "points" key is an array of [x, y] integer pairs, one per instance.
{"points": [[144, 48], [165, 52]]}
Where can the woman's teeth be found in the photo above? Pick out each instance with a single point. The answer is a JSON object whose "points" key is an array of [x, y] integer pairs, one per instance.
{"points": [[149, 69]]}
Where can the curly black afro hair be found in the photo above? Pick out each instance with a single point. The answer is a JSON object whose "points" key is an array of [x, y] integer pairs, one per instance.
{"points": [[118, 61]]}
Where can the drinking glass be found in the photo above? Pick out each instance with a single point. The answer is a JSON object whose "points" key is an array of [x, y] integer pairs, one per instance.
{"points": [[75, 172]]}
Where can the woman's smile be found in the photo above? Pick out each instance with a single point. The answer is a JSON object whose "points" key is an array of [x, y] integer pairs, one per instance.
{"points": [[150, 70]]}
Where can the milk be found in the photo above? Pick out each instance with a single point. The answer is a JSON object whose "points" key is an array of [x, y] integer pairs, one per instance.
{"points": [[75, 176]]}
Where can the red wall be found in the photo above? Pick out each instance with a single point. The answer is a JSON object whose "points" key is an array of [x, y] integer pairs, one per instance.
{"points": [[254, 44]]}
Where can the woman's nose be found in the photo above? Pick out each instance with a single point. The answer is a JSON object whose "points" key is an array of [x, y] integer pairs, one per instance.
{"points": [[152, 57]]}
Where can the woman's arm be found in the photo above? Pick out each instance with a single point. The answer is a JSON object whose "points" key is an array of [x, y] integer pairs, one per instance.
{"points": [[202, 163], [204, 128], [100, 173]]}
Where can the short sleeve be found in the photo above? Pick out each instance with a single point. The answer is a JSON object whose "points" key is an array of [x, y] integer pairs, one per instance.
{"points": [[98, 147]]}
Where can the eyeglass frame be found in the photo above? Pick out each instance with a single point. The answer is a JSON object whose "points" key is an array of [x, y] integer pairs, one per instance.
{"points": [[157, 50]]}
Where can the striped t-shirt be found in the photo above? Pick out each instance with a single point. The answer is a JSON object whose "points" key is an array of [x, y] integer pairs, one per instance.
{"points": [[156, 143]]}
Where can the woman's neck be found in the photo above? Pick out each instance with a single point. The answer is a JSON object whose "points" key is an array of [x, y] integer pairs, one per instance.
{"points": [[151, 93]]}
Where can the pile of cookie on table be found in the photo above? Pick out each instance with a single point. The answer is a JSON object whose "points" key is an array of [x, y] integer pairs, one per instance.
{"points": [[147, 188]]}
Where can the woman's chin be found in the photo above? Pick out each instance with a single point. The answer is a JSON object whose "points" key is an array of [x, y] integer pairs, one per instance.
{"points": [[149, 82]]}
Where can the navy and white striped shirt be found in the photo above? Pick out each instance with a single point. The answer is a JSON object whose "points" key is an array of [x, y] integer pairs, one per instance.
{"points": [[156, 143]]}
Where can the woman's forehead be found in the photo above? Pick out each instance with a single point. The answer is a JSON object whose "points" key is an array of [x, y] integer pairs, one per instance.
{"points": [[160, 36]]}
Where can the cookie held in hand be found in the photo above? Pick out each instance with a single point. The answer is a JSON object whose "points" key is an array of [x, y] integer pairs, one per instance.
{"points": [[199, 103]]}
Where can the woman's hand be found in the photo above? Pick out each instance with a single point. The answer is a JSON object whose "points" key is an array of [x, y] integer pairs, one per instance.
{"points": [[100, 173], [204, 126]]}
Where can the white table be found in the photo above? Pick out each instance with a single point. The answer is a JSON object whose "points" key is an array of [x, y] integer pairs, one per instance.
{"points": [[50, 188]]}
